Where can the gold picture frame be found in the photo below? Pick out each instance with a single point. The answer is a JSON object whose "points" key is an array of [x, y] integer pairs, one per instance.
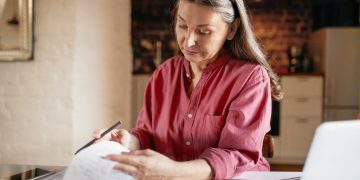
{"points": [[16, 30]]}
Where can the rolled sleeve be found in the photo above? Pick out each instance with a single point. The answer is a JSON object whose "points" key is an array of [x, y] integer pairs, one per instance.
{"points": [[144, 138], [143, 132], [248, 120]]}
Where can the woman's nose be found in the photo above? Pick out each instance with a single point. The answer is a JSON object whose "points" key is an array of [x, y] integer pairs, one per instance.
{"points": [[190, 40]]}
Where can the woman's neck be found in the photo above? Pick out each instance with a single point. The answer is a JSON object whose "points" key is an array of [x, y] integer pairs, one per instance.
{"points": [[198, 67], [196, 71]]}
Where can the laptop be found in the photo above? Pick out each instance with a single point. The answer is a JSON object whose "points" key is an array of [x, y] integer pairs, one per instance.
{"points": [[335, 152]]}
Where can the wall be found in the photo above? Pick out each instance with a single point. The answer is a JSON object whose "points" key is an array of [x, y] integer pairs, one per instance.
{"points": [[102, 71], [35, 114], [79, 80], [150, 26], [279, 25]]}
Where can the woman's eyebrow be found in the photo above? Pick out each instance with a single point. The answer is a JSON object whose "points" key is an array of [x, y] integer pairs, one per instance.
{"points": [[200, 25], [181, 18]]}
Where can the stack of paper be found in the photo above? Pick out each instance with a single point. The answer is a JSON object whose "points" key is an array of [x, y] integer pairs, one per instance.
{"points": [[89, 164]]}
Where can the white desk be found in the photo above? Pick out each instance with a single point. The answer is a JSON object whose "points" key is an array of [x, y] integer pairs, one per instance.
{"points": [[273, 175], [8, 170]]}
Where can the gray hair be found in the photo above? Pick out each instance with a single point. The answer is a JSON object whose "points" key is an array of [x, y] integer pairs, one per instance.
{"points": [[244, 45]]}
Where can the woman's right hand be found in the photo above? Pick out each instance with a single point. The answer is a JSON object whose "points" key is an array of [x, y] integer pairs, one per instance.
{"points": [[121, 136]]}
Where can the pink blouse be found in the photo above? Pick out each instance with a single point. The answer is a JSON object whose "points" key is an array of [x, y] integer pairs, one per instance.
{"points": [[223, 121]]}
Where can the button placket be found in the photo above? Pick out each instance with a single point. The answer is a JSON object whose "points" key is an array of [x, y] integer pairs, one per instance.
{"points": [[190, 115]]}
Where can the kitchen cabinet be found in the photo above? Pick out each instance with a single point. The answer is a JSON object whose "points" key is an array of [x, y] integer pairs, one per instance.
{"points": [[336, 53], [300, 114]]}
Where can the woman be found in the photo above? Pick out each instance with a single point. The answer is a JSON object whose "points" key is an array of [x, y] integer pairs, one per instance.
{"points": [[206, 112]]}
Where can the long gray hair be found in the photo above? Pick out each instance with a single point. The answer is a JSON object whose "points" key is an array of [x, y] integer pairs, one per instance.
{"points": [[244, 45]]}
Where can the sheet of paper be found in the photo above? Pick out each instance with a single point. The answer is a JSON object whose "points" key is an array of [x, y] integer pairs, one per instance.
{"points": [[89, 163]]}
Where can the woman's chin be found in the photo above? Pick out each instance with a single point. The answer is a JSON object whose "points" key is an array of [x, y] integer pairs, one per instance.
{"points": [[192, 58]]}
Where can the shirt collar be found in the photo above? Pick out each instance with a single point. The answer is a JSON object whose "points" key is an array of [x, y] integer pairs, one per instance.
{"points": [[220, 61]]}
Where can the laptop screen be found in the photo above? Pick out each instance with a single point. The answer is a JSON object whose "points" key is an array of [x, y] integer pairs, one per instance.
{"points": [[335, 152]]}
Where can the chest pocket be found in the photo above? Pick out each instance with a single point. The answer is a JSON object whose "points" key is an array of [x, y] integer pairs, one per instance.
{"points": [[213, 126]]}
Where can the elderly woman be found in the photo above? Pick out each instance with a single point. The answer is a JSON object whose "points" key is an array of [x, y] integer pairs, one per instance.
{"points": [[205, 112]]}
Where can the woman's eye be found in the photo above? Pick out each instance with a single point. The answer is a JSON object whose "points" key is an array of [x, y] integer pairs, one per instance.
{"points": [[182, 26], [205, 32]]}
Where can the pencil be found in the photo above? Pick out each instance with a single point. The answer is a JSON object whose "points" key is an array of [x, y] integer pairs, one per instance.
{"points": [[102, 135]]}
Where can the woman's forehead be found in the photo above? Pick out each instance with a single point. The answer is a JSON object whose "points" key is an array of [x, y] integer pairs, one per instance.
{"points": [[192, 12]]}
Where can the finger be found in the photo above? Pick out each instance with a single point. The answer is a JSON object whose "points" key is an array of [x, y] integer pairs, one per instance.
{"points": [[123, 131], [126, 168], [137, 161], [108, 136], [146, 152], [97, 133], [124, 137]]}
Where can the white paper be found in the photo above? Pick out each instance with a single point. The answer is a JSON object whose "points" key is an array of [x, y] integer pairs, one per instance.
{"points": [[89, 163]]}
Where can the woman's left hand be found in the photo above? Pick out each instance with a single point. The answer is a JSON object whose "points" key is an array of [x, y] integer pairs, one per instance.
{"points": [[144, 164]]}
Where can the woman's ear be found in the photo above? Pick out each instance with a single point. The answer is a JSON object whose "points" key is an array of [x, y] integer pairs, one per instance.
{"points": [[233, 29]]}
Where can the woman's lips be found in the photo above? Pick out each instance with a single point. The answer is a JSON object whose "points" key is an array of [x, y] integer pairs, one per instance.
{"points": [[190, 52]]}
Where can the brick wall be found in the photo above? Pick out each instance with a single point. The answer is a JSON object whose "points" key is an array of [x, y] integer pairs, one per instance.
{"points": [[151, 24], [79, 80], [277, 24], [280, 24]]}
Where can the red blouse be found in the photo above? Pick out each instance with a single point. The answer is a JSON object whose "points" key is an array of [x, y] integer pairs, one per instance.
{"points": [[223, 121]]}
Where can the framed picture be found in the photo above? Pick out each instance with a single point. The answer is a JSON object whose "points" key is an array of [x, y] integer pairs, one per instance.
{"points": [[16, 30]]}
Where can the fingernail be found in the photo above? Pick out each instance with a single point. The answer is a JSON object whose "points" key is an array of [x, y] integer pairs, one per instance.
{"points": [[107, 157]]}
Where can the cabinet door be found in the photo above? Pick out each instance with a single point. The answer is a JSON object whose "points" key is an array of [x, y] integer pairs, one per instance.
{"points": [[302, 85], [297, 134], [301, 106]]}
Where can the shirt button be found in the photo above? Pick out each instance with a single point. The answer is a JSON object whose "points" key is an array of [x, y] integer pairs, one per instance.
{"points": [[189, 116], [188, 143]]}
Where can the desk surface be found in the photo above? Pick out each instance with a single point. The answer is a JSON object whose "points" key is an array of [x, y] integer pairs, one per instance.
{"points": [[273, 175], [7, 170]]}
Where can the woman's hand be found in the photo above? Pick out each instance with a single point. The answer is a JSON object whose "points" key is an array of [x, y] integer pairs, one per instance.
{"points": [[121, 136], [145, 164]]}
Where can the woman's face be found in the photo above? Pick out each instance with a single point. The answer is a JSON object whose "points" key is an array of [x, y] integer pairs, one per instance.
{"points": [[200, 32]]}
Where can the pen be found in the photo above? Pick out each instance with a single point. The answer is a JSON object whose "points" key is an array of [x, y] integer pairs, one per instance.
{"points": [[102, 134]]}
